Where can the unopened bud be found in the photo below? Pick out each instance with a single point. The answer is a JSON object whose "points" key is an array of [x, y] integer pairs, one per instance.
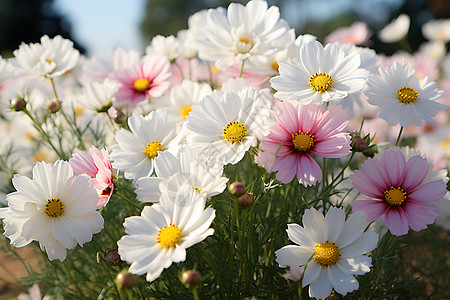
{"points": [[125, 280], [119, 117], [191, 278], [113, 257], [53, 106], [237, 189], [358, 144], [18, 104], [245, 200]]}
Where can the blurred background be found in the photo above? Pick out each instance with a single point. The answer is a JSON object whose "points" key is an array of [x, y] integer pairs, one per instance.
{"points": [[98, 25]]}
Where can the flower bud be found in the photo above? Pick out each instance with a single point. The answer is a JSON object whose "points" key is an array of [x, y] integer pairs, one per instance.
{"points": [[53, 106], [358, 144], [18, 104], [119, 117], [113, 257], [191, 278], [125, 280], [237, 189], [245, 200]]}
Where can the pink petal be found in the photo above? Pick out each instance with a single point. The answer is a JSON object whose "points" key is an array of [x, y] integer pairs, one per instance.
{"points": [[427, 192], [372, 208], [395, 219], [308, 116], [376, 173], [308, 171], [82, 163], [364, 185], [415, 172], [420, 215], [333, 147], [286, 115], [332, 121], [286, 167], [394, 163]]}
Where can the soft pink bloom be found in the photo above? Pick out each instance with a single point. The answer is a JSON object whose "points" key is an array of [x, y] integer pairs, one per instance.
{"points": [[97, 166], [143, 80], [402, 196], [358, 33], [299, 132]]}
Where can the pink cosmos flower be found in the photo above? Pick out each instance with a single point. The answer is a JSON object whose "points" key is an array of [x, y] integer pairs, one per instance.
{"points": [[143, 80], [97, 166], [299, 132], [402, 196], [358, 33]]}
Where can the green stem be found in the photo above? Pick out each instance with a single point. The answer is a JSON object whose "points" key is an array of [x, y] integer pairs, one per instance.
{"points": [[330, 186], [208, 261], [127, 200], [46, 136], [405, 45], [399, 136], [195, 294], [299, 290], [242, 68], [231, 252]]}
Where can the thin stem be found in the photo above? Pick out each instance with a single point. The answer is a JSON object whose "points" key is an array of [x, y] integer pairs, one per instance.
{"points": [[195, 294], [231, 253], [299, 290], [208, 261], [405, 45], [242, 68], [399, 136], [127, 200]]}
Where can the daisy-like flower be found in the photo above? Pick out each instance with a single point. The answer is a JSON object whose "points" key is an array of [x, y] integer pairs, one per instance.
{"points": [[188, 167], [225, 124], [437, 30], [165, 46], [402, 97], [97, 166], [136, 151], [34, 293], [6, 69], [396, 30], [54, 208], [320, 74], [331, 250], [98, 96], [401, 195], [302, 131], [51, 58], [241, 32], [140, 81], [358, 33], [163, 232]]}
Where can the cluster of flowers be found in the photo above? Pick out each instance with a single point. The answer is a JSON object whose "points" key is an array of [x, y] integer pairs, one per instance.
{"points": [[195, 103]]}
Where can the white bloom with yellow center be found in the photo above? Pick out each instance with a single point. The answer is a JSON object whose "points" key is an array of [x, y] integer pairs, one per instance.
{"points": [[54, 208], [163, 232], [330, 249], [396, 30], [402, 97], [320, 74], [97, 96], [137, 149], [51, 58], [225, 124]]}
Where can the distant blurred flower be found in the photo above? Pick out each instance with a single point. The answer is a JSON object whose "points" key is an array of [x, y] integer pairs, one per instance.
{"points": [[97, 96], [396, 30], [435, 50], [358, 33], [164, 46], [6, 69], [437, 30], [34, 293]]}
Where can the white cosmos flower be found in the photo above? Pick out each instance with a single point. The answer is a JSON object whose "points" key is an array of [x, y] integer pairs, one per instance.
{"points": [[165, 46], [163, 232], [136, 151], [225, 124], [241, 32], [6, 69], [98, 96], [320, 74], [402, 97], [437, 30], [51, 58], [54, 208], [331, 250], [189, 167], [396, 30]]}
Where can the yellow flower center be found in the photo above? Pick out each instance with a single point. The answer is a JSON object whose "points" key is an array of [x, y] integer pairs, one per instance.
{"points": [[326, 254], [54, 208], [275, 65], [152, 148], [215, 69], [234, 132], [321, 82], [197, 189], [168, 237], [78, 111], [407, 95], [185, 111], [141, 85], [41, 156], [395, 196], [49, 61], [445, 143], [302, 141], [244, 40]]}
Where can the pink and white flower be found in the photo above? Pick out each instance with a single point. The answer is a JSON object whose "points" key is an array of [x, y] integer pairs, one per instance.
{"points": [[401, 194], [302, 131], [358, 33], [97, 166]]}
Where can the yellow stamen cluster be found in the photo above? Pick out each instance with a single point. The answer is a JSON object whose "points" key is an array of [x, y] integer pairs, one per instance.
{"points": [[321, 82], [169, 236], [407, 95], [152, 148], [326, 254], [302, 141], [395, 196], [141, 85], [235, 132], [54, 208], [185, 111], [244, 40], [275, 65]]}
